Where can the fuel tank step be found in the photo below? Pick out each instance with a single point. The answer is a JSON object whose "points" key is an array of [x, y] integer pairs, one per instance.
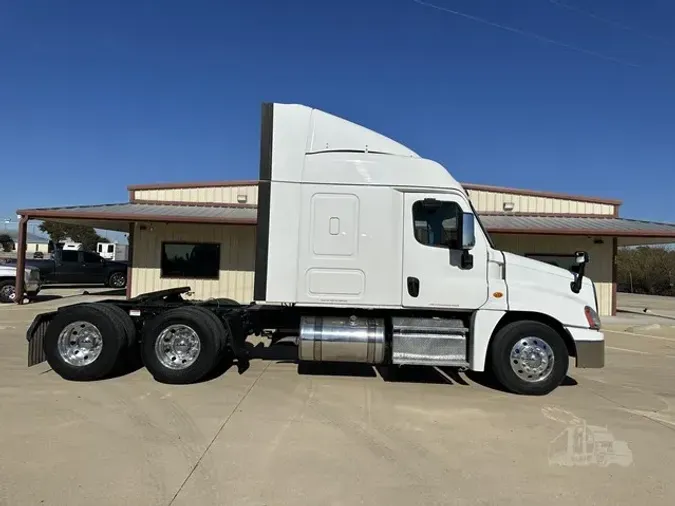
{"points": [[429, 341]]}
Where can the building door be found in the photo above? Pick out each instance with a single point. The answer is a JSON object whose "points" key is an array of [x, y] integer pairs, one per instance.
{"points": [[433, 272]]}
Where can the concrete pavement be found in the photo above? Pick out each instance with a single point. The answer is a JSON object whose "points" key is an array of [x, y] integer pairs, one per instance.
{"points": [[337, 436]]}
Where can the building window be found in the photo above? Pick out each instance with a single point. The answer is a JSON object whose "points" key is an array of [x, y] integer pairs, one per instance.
{"points": [[564, 261], [436, 223], [190, 260]]}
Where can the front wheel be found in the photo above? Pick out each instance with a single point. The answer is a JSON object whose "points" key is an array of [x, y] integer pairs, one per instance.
{"points": [[117, 280], [7, 291], [529, 358]]}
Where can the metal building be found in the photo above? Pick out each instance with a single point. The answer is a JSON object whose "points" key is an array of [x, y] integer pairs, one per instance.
{"points": [[203, 234]]}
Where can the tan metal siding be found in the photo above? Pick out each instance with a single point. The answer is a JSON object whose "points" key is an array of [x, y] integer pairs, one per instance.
{"points": [[487, 201], [34, 247], [236, 260], [219, 194], [599, 268]]}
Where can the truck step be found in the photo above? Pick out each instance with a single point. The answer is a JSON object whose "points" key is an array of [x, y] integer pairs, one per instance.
{"points": [[429, 341]]}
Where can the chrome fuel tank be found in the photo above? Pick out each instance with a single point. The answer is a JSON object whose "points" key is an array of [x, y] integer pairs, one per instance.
{"points": [[341, 339]]}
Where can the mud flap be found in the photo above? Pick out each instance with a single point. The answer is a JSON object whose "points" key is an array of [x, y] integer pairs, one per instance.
{"points": [[36, 338], [236, 338]]}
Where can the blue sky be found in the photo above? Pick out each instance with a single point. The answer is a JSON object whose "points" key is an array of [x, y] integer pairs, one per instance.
{"points": [[573, 96]]}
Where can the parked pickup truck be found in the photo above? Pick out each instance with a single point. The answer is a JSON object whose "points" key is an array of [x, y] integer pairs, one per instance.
{"points": [[69, 266], [8, 281]]}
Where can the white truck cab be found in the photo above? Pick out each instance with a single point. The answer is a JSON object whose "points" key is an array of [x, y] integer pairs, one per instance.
{"points": [[350, 218], [365, 252]]}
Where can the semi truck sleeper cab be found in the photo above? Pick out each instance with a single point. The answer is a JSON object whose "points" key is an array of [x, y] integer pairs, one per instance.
{"points": [[365, 252]]}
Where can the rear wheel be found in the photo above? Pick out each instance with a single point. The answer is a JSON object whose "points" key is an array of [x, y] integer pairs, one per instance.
{"points": [[123, 320], [117, 280], [529, 358], [83, 343], [182, 345]]}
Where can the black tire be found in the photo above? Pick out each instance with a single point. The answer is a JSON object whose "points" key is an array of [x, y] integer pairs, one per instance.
{"points": [[117, 280], [113, 339], [211, 335], [124, 321], [7, 291], [500, 357]]}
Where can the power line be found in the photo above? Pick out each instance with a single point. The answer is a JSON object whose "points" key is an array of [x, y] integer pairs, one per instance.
{"points": [[607, 21], [531, 35]]}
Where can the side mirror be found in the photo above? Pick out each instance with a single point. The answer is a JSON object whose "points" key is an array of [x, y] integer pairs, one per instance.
{"points": [[581, 259], [468, 231]]}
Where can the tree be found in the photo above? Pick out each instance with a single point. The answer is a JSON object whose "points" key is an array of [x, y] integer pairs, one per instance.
{"points": [[58, 232], [649, 270], [6, 242]]}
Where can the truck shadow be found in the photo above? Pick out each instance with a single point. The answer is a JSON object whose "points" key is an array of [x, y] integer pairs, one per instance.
{"points": [[43, 297], [61, 286], [116, 291], [286, 353], [488, 380]]}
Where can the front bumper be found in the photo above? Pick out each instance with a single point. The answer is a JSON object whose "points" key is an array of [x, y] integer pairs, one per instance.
{"points": [[33, 281], [33, 286], [590, 346]]}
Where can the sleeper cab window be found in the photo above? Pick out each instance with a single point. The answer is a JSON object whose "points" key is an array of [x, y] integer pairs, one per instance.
{"points": [[190, 260], [436, 222]]}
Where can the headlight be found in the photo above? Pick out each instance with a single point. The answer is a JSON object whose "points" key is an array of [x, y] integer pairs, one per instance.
{"points": [[592, 317]]}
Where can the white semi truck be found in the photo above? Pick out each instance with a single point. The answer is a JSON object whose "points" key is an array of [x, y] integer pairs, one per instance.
{"points": [[365, 252]]}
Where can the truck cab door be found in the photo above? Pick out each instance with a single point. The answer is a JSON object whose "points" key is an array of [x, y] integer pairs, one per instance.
{"points": [[437, 273], [93, 268], [67, 267]]}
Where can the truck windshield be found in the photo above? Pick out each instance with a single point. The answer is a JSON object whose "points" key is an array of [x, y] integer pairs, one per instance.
{"points": [[485, 232]]}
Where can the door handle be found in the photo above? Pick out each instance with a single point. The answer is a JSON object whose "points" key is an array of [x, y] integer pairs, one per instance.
{"points": [[413, 286]]}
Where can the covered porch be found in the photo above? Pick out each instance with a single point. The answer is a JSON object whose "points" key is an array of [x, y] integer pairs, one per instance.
{"points": [[549, 238], [554, 239], [131, 218]]}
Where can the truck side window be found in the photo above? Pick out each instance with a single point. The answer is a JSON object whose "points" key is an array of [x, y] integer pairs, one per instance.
{"points": [[436, 225], [68, 256], [91, 258]]}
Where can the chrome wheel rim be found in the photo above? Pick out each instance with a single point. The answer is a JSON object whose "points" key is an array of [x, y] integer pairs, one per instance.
{"points": [[117, 280], [80, 343], [8, 292], [532, 359], [178, 346]]}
